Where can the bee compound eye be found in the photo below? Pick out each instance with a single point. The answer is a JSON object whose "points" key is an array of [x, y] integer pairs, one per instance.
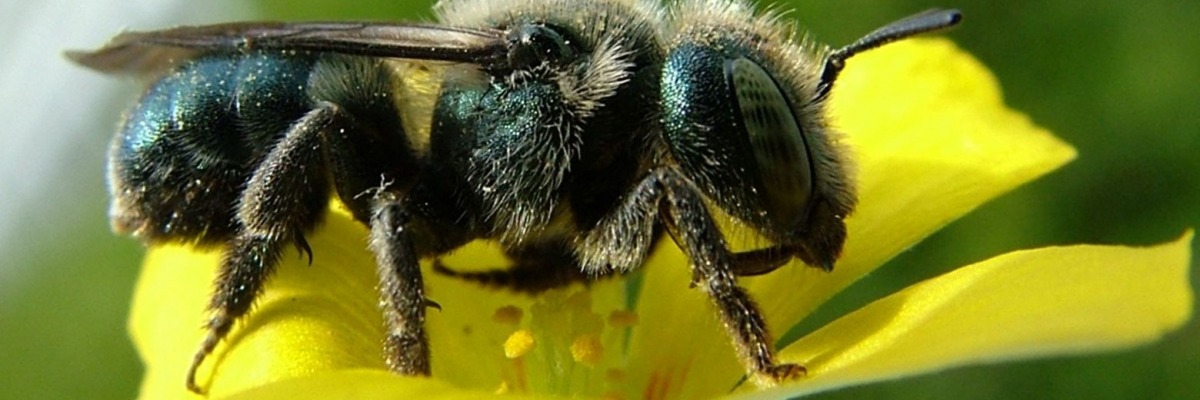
{"points": [[532, 44], [734, 132], [776, 140]]}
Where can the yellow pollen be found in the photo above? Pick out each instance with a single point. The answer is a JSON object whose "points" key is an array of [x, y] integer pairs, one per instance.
{"points": [[519, 343], [622, 318], [587, 349], [503, 389], [509, 315]]}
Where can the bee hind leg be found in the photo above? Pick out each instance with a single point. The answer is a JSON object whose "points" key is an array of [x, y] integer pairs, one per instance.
{"points": [[286, 195]]}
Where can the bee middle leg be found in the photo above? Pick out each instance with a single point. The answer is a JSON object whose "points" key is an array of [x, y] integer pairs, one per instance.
{"points": [[402, 289], [372, 174]]}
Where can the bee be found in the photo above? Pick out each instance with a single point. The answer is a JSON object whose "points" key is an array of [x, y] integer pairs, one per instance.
{"points": [[576, 134]]}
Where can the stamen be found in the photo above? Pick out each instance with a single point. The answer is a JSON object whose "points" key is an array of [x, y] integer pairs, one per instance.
{"points": [[508, 315], [622, 318], [587, 349], [519, 343]]}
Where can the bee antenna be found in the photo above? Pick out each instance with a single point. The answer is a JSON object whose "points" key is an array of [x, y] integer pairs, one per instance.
{"points": [[925, 21]]}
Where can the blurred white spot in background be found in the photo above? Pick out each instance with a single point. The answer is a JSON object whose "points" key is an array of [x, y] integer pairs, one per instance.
{"points": [[65, 280], [57, 118]]}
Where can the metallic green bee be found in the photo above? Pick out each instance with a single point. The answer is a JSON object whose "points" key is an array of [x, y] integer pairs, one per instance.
{"points": [[574, 133]]}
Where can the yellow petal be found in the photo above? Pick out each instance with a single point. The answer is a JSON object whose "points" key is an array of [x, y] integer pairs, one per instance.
{"points": [[311, 318], [363, 385], [932, 140], [1018, 305]]}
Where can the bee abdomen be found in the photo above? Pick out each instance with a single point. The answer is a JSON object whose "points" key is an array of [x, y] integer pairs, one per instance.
{"points": [[184, 152]]}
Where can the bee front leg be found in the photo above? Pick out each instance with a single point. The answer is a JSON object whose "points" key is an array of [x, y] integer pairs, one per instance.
{"points": [[761, 261], [286, 196], [536, 268], [402, 291], [714, 271]]}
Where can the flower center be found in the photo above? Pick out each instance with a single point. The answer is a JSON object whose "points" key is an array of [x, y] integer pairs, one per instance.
{"points": [[562, 345]]}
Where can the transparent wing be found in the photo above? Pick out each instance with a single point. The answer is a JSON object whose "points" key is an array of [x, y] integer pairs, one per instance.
{"points": [[141, 53]]}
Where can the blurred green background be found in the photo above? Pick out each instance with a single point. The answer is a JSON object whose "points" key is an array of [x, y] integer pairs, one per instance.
{"points": [[1116, 79]]}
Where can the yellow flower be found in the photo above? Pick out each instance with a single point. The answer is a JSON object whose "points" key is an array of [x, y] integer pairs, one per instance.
{"points": [[932, 140]]}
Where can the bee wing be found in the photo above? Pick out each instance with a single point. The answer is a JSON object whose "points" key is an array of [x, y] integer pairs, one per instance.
{"points": [[142, 53]]}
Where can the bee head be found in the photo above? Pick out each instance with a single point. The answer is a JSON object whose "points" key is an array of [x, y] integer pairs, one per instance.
{"points": [[744, 116]]}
